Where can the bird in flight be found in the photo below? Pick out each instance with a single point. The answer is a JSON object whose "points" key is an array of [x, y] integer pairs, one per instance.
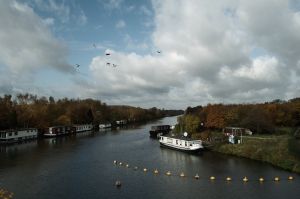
{"points": [[114, 65], [107, 54], [158, 51], [77, 65]]}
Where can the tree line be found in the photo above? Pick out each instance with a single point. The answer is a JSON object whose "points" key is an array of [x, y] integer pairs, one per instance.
{"points": [[259, 118], [27, 110]]}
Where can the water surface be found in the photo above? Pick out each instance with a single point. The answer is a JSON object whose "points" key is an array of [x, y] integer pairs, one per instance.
{"points": [[82, 167]]}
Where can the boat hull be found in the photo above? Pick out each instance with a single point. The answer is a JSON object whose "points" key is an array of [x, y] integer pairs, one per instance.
{"points": [[165, 145]]}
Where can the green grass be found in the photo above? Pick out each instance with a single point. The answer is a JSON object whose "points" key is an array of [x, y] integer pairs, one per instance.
{"points": [[284, 130], [272, 149]]}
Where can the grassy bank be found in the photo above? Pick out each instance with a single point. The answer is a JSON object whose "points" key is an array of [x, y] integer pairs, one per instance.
{"points": [[272, 149]]}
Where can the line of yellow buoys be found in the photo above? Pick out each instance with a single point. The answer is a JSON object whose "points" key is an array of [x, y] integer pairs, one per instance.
{"points": [[245, 179], [4, 194]]}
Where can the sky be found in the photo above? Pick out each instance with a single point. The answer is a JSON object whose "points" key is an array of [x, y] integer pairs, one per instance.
{"points": [[168, 53]]}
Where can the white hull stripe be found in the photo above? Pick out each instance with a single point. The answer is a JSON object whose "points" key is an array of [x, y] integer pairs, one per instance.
{"points": [[181, 148]]}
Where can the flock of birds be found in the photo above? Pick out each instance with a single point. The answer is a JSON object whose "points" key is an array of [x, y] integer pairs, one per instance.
{"points": [[109, 63]]}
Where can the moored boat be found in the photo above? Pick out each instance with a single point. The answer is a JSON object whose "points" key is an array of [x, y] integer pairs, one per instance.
{"points": [[159, 130], [17, 135], [83, 127], [104, 126], [182, 143], [59, 130]]}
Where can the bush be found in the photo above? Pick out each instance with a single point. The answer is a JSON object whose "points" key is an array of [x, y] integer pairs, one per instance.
{"points": [[294, 147]]}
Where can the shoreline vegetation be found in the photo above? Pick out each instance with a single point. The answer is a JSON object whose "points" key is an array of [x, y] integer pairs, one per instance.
{"points": [[275, 138], [31, 111], [276, 150]]}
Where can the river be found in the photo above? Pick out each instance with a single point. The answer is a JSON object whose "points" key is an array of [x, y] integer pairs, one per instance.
{"points": [[82, 167]]}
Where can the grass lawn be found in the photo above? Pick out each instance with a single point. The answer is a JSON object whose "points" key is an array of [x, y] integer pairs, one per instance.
{"points": [[267, 148]]}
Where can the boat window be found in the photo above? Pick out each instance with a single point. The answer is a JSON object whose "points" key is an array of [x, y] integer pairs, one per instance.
{"points": [[9, 134], [185, 143], [16, 133], [191, 144], [176, 141]]}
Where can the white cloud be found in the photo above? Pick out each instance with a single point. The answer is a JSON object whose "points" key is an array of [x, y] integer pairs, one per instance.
{"points": [[112, 4], [145, 10], [120, 24], [262, 69], [82, 19], [60, 9], [48, 21], [26, 43], [130, 8], [134, 45], [63, 11], [206, 55]]}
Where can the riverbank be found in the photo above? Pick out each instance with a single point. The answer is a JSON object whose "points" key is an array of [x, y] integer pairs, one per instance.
{"points": [[275, 150]]}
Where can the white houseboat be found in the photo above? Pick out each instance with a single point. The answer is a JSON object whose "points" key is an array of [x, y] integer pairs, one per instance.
{"points": [[83, 127], [104, 126], [12, 136], [182, 143], [121, 122], [59, 130]]}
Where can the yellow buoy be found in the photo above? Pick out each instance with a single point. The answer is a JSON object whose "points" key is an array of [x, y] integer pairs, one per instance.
{"points": [[261, 179], [145, 170], [120, 163], [115, 161], [168, 173], [127, 165], [212, 178], [155, 171], [197, 176], [276, 179], [290, 178], [228, 179], [245, 179], [182, 174]]}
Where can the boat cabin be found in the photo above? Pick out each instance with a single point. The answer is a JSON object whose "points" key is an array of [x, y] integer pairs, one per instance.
{"points": [[106, 125], [13, 135], [181, 143], [83, 127], [59, 130], [159, 130]]}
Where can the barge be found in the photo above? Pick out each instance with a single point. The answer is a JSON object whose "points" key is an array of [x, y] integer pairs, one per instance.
{"points": [[105, 126], [55, 131], [182, 143], [159, 130], [20, 135], [83, 127]]}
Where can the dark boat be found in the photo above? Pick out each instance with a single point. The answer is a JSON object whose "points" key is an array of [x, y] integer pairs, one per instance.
{"points": [[156, 131]]}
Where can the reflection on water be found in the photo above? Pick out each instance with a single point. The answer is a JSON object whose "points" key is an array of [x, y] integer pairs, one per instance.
{"points": [[15, 148], [81, 166]]}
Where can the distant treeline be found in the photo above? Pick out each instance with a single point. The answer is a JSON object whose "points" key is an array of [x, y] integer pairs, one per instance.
{"points": [[266, 117], [27, 110]]}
